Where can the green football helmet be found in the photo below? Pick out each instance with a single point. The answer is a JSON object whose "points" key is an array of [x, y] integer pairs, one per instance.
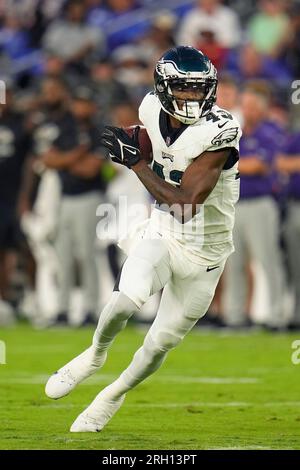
{"points": [[186, 68]]}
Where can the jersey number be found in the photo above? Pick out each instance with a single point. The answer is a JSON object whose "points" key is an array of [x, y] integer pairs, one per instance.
{"points": [[214, 118], [175, 175]]}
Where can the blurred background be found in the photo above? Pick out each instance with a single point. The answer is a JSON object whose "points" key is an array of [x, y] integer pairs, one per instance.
{"points": [[71, 67]]}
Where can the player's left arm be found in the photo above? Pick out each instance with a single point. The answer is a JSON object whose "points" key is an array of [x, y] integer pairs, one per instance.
{"points": [[198, 181]]}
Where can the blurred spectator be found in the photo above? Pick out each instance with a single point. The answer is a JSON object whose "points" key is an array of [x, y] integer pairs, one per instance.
{"points": [[54, 67], [243, 9], [14, 149], [220, 20], [209, 45], [34, 15], [159, 38], [288, 163], [256, 233], [279, 116], [293, 46], [107, 90], [72, 39], [14, 38], [15, 42], [269, 28], [132, 72], [248, 64], [279, 113], [37, 24], [122, 21], [82, 189], [26, 9], [6, 67], [228, 96], [55, 138]]}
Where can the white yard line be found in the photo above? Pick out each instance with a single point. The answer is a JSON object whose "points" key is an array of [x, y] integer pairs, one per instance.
{"points": [[232, 404], [208, 380], [42, 379]]}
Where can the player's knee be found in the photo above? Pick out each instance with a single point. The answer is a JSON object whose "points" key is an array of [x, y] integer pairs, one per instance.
{"points": [[168, 340], [152, 352], [117, 318], [163, 341], [119, 308], [123, 306]]}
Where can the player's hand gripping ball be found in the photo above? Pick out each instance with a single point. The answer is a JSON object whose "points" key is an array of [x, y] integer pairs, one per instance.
{"points": [[145, 144], [127, 146]]}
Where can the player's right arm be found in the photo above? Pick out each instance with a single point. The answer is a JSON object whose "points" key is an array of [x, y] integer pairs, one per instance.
{"points": [[198, 181]]}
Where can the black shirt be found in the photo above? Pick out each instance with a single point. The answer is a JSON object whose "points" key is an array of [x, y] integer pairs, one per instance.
{"points": [[74, 185], [15, 144], [61, 130], [55, 130]]}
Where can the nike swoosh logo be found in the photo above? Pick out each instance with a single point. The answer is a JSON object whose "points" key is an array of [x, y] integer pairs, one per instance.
{"points": [[211, 269], [131, 151], [222, 125]]}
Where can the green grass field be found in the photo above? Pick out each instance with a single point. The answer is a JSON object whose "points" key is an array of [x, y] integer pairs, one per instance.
{"points": [[215, 391]]}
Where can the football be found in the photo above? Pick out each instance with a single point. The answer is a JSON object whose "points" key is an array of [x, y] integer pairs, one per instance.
{"points": [[144, 142]]}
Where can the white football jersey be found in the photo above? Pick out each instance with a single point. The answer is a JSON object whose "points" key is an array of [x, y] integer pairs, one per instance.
{"points": [[207, 237]]}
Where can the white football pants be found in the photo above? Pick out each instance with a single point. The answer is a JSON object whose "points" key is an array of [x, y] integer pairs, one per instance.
{"points": [[188, 290]]}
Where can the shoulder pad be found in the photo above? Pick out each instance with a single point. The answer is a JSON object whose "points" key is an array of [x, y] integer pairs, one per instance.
{"points": [[147, 107], [222, 130]]}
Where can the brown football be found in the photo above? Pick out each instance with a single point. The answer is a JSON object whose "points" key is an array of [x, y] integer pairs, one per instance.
{"points": [[144, 142]]}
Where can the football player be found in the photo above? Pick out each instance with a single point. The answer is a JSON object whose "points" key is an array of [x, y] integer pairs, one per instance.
{"points": [[183, 247]]}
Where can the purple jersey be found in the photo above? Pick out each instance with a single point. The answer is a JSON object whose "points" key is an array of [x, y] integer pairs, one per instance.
{"points": [[263, 142], [292, 148]]}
